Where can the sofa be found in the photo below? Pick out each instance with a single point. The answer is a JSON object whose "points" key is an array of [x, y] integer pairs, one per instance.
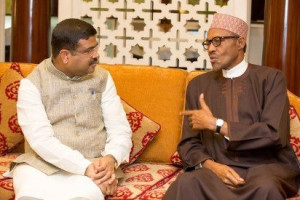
{"points": [[152, 98]]}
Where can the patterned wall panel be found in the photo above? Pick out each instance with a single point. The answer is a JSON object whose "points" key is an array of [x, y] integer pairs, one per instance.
{"points": [[167, 33]]}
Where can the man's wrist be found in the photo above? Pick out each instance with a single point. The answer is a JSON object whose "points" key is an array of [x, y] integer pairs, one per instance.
{"points": [[207, 163], [115, 161], [212, 125]]}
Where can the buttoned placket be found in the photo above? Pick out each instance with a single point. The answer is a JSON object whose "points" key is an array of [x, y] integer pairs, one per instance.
{"points": [[74, 98]]}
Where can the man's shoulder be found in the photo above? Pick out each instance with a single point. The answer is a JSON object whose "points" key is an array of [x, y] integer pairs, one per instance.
{"points": [[210, 75], [101, 75], [263, 70], [40, 67], [265, 75], [100, 72], [100, 69]]}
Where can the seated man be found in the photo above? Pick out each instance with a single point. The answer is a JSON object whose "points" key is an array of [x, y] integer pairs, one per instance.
{"points": [[235, 139], [73, 121]]}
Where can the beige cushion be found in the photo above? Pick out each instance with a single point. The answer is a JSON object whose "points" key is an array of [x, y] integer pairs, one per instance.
{"points": [[143, 130]]}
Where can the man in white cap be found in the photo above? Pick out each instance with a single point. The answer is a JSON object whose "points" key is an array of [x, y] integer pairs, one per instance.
{"points": [[235, 139]]}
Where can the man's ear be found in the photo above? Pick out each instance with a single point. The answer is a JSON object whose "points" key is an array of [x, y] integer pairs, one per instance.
{"points": [[65, 55], [241, 43]]}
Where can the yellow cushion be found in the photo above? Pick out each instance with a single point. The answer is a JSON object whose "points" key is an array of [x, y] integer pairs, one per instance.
{"points": [[3, 67], [6, 189], [159, 94], [10, 132], [6, 184], [294, 100], [26, 68], [295, 131]]}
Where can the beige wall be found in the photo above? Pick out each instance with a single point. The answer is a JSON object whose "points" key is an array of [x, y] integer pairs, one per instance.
{"points": [[78, 8], [255, 47], [255, 39]]}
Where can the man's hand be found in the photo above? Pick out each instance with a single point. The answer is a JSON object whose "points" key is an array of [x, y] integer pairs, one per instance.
{"points": [[201, 119], [109, 187], [225, 173], [90, 171], [104, 168]]}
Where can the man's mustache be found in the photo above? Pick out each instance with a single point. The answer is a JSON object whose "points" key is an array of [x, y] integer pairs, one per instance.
{"points": [[94, 61], [212, 54]]}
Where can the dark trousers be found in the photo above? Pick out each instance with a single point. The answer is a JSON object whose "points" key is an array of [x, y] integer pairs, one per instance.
{"points": [[271, 181]]}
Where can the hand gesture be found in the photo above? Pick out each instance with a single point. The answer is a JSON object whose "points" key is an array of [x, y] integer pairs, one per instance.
{"points": [[201, 119]]}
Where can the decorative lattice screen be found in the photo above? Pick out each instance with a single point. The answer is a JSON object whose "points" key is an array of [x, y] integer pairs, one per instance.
{"points": [[166, 33]]}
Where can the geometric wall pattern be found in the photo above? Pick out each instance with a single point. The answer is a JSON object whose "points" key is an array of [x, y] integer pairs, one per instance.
{"points": [[166, 33]]}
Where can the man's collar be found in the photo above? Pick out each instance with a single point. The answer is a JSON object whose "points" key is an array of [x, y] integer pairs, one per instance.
{"points": [[236, 71]]}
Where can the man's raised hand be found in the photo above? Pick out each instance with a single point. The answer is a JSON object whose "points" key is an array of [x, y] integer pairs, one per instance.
{"points": [[201, 119]]}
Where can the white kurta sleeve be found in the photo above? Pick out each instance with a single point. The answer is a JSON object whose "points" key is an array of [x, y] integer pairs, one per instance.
{"points": [[38, 132], [118, 143]]}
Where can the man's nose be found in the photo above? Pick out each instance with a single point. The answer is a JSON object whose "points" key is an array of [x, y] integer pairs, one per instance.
{"points": [[211, 48], [95, 54]]}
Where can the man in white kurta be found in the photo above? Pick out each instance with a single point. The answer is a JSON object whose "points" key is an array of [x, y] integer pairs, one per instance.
{"points": [[74, 124]]}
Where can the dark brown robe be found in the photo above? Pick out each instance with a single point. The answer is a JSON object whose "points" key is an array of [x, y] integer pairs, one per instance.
{"points": [[256, 108]]}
